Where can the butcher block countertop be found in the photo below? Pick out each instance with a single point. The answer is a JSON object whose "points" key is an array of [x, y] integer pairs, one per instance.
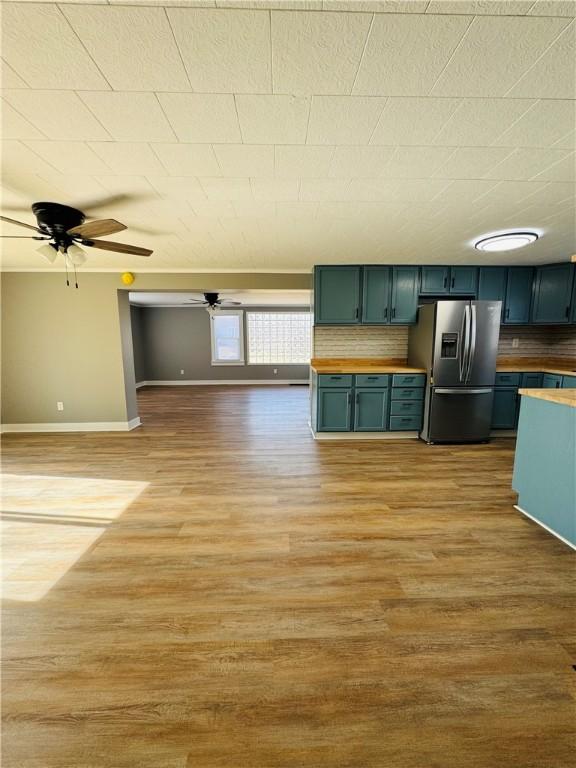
{"points": [[559, 366], [362, 365], [561, 396]]}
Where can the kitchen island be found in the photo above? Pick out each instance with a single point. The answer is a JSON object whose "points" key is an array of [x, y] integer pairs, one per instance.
{"points": [[545, 461]]}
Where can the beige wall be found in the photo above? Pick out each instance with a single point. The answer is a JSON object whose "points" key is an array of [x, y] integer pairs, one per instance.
{"points": [[63, 344]]}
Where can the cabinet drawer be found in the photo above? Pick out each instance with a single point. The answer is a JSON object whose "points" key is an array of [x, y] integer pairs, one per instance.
{"points": [[372, 380], [335, 380], [551, 381], [402, 393], [409, 380], [398, 423], [406, 408], [532, 380], [507, 379], [569, 382]]}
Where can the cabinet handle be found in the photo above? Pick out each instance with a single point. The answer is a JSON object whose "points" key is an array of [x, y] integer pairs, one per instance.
{"points": [[372, 378], [393, 311], [567, 312], [356, 313], [452, 283], [445, 282], [357, 398], [386, 313]]}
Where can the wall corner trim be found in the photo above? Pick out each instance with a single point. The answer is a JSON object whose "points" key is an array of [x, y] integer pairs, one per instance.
{"points": [[72, 426]]}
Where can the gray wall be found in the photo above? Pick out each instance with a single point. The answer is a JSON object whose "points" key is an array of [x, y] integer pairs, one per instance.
{"points": [[178, 338], [137, 320], [60, 343]]}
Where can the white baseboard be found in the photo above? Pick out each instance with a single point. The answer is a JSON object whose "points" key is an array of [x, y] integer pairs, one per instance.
{"points": [[217, 382], [73, 426], [543, 525], [363, 435]]}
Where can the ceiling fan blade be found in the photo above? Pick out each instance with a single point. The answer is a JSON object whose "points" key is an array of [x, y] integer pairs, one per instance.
{"points": [[19, 223], [229, 302], [24, 237], [97, 228], [108, 245], [103, 202], [196, 301]]}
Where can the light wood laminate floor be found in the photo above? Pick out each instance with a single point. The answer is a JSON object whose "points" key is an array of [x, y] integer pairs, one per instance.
{"points": [[217, 589]]}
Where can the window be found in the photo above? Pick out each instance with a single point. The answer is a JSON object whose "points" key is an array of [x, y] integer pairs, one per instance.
{"points": [[227, 338], [281, 338]]}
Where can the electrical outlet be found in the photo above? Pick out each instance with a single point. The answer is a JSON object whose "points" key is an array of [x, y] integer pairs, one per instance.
{"points": [[275, 370], [515, 343], [181, 371], [60, 406]]}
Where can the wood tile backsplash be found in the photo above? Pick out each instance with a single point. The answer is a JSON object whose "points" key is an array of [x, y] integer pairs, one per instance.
{"points": [[385, 341]]}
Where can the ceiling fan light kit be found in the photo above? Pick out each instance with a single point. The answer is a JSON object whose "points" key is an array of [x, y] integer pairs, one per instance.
{"points": [[64, 227]]}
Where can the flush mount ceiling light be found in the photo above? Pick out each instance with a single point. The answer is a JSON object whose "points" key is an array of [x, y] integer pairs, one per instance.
{"points": [[506, 241]]}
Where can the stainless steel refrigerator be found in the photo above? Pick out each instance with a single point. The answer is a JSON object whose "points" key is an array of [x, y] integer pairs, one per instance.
{"points": [[457, 342]]}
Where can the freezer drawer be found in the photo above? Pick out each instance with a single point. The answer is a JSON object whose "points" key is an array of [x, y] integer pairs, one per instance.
{"points": [[459, 415]]}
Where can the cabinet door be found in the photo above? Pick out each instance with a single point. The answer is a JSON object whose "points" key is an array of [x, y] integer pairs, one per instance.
{"points": [[569, 382], [518, 295], [505, 408], [464, 280], [551, 381], [370, 410], [552, 294], [334, 410], [404, 301], [573, 317], [337, 295], [434, 280], [492, 284], [376, 285]]}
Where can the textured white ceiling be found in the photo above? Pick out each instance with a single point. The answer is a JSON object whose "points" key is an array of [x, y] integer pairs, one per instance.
{"points": [[252, 298], [267, 135]]}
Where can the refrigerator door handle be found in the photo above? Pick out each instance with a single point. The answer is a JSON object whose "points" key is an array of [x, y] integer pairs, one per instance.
{"points": [[463, 344], [463, 391], [472, 345]]}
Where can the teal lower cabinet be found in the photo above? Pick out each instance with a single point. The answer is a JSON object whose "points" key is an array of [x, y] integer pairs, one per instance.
{"points": [[569, 382], [505, 408], [407, 404], [551, 381], [532, 380], [334, 410], [367, 403], [370, 409]]}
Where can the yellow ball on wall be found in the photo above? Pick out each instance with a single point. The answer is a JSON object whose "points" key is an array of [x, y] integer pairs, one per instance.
{"points": [[128, 278]]}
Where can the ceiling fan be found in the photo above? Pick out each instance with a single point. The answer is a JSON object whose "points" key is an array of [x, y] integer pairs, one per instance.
{"points": [[212, 302], [63, 228]]}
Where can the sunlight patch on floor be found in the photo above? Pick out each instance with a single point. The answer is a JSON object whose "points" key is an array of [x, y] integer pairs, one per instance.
{"points": [[47, 523]]}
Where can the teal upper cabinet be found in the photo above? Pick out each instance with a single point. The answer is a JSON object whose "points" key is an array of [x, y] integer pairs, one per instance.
{"points": [[440, 281], [492, 283], [464, 280], [404, 295], [337, 295], [435, 280], [552, 294], [376, 286], [518, 295]]}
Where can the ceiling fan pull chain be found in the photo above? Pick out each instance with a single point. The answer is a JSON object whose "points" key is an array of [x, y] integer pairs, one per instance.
{"points": [[75, 276]]}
